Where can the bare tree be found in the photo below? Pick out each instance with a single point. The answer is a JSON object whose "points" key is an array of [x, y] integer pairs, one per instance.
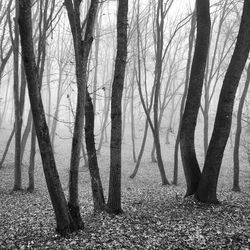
{"points": [[63, 218], [207, 188], [189, 119], [114, 198]]}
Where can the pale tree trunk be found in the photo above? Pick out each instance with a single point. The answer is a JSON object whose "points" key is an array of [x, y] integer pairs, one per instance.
{"points": [[7, 147], [26, 134], [207, 189], [147, 106], [107, 96], [18, 118], [3, 114], [132, 117], [114, 196], [48, 72], [97, 46], [56, 114]]}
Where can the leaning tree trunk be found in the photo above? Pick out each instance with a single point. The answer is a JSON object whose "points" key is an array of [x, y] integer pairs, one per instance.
{"points": [[183, 99], [96, 184], [189, 119], [236, 185], [26, 134], [82, 50], [63, 218], [206, 191], [114, 198], [7, 147]]}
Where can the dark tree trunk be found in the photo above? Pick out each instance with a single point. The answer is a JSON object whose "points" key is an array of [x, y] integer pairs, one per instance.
{"points": [[236, 184], [31, 170], [82, 51], [189, 119], [63, 219], [206, 191], [96, 184], [114, 198]]}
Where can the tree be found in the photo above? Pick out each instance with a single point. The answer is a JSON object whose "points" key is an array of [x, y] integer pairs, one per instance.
{"points": [[82, 50], [63, 218], [189, 119], [207, 188], [183, 99], [114, 198], [18, 117], [236, 185]]}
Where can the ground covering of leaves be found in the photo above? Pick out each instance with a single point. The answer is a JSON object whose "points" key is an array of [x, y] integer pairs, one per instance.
{"points": [[155, 217]]}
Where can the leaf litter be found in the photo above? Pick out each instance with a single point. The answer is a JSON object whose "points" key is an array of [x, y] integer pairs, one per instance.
{"points": [[155, 217]]}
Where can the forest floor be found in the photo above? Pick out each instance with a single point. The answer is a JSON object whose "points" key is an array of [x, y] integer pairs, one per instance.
{"points": [[155, 216]]}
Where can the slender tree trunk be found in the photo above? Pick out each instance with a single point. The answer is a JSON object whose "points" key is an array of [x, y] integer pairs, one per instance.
{"points": [[141, 151], [114, 197], [206, 125], [206, 191], [105, 119], [26, 134], [56, 114], [63, 218], [96, 184], [18, 119], [132, 118], [48, 71], [82, 51], [236, 184], [189, 118], [31, 171], [7, 147]]}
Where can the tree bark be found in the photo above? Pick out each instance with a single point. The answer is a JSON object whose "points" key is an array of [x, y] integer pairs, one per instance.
{"points": [[7, 147], [189, 119], [114, 197], [63, 218], [26, 134], [18, 118], [31, 170], [96, 184], [206, 191], [236, 184], [82, 51]]}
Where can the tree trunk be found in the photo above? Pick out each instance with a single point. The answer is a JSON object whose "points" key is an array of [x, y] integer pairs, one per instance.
{"points": [[32, 160], [206, 191], [132, 117], [82, 51], [26, 134], [189, 119], [114, 197], [18, 119], [141, 151], [236, 185], [63, 219], [96, 184], [7, 147]]}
